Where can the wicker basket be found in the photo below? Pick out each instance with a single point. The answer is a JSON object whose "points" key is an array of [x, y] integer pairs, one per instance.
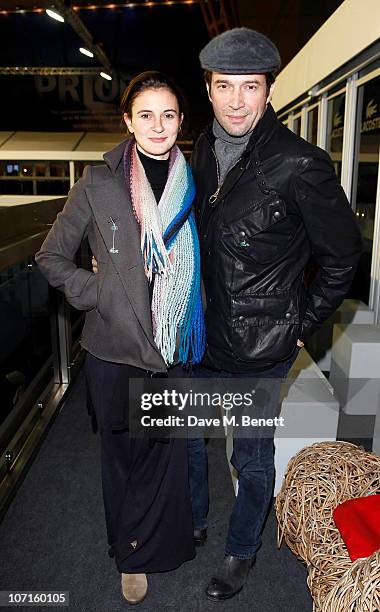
{"points": [[317, 479]]}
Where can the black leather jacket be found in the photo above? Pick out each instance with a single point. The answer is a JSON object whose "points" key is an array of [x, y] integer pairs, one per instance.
{"points": [[278, 206]]}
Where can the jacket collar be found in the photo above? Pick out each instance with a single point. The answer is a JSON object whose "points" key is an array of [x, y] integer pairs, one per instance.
{"points": [[114, 157], [261, 133]]}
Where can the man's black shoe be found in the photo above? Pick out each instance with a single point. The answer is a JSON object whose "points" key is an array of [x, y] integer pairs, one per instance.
{"points": [[231, 579], [200, 537]]}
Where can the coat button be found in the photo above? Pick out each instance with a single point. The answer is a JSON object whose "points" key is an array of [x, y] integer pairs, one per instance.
{"points": [[258, 172], [209, 252], [241, 318], [256, 163], [242, 234], [277, 214], [288, 315]]}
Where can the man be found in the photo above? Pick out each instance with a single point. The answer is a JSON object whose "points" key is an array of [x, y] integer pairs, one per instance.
{"points": [[267, 202]]}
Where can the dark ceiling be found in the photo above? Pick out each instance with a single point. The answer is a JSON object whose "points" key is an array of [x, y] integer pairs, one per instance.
{"points": [[159, 35], [290, 23]]}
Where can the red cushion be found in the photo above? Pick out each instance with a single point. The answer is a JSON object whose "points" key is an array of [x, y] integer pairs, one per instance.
{"points": [[358, 521]]}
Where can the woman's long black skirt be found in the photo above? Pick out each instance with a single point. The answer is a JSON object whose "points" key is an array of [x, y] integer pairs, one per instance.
{"points": [[145, 486]]}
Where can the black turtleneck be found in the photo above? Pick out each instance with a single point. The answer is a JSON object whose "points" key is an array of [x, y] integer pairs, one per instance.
{"points": [[156, 171]]}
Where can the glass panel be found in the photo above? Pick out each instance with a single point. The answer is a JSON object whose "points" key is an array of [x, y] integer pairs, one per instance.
{"points": [[16, 187], [297, 125], [26, 169], [335, 127], [40, 169], [8, 187], [25, 339], [59, 169], [312, 125], [80, 166], [11, 168], [55, 187], [28, 316], [365, 179]]}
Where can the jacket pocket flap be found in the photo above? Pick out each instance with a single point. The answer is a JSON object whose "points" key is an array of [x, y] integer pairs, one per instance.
{"points": [[257, 219], [264, 309]]}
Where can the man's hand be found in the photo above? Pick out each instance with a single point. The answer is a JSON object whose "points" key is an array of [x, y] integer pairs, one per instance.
{"points": [[94, 265], [299, 342]]}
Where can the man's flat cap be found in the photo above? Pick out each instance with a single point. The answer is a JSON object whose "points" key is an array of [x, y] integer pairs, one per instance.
{"points": [[240, 51]]}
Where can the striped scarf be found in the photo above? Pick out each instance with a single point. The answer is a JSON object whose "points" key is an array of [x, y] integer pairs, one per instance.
{"points": [[170, 250]]}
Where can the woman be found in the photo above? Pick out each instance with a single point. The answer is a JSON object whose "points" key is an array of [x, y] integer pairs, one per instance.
{"points": [[144, 317]]}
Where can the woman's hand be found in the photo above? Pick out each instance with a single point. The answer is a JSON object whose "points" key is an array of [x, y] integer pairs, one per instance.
{"points": [[299, 342], [94, 265]]}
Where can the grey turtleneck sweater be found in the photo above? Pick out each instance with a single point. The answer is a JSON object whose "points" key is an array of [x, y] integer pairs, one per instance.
{"points": [[228, 148]]}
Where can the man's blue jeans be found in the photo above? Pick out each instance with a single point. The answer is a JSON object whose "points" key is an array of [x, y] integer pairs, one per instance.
{"points": [[253, 459]]}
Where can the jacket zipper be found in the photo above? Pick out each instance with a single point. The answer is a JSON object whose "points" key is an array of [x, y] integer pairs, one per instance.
{"points": [[212, 199], [214, 196]]}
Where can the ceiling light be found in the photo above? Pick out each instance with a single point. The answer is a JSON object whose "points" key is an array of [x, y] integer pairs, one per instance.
{"points": [[54, 15], [106, 76], [86, 52]]}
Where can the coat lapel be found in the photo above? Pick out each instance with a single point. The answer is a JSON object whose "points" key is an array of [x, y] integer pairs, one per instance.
{"points": [[114, 217]]}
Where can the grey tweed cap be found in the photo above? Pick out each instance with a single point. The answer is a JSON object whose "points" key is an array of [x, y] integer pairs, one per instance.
{"points": [[240, 51]]}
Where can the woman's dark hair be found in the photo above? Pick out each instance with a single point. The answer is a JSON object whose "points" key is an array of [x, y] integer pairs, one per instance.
{"points": [[151, 79], [269, 77]]}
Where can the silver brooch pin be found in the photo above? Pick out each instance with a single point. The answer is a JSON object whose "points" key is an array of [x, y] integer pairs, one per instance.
{"points": [[134, 543], [114, 229]]}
